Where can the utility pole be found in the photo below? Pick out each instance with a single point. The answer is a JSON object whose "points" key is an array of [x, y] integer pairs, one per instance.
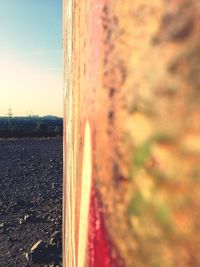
{"points": [[10, 114]]}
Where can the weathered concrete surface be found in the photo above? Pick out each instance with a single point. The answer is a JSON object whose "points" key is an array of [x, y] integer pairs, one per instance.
{"points": [[132, 73]]}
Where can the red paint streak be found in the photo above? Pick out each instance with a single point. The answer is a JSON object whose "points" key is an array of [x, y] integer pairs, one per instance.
{"points": [[99, 246]]}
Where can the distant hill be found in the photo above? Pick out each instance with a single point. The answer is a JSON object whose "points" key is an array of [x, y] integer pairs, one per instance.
{"points": [[51, 117], [31, 126]]}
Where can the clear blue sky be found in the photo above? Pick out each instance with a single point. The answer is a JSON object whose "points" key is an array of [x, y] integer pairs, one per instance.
{"points": [[31, 56]]}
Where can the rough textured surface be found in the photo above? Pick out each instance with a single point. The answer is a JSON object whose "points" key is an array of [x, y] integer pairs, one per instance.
{"points": [[137, 83], [151, 73], [30, 198]]}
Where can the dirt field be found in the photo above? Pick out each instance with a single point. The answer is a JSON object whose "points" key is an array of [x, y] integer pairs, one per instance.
{"points": [[30, 201]]}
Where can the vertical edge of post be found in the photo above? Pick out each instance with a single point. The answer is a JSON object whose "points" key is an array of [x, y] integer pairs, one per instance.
{"points": [[68, 190]]}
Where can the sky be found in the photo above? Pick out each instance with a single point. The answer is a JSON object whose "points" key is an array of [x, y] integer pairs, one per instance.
{"points": [[31, 57]]}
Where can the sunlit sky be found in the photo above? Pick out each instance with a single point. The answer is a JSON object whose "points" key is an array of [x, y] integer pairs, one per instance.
{"points": [[31, 57]]}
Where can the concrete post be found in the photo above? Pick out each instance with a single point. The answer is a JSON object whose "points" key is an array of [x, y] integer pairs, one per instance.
{"points": [[132, 133]]}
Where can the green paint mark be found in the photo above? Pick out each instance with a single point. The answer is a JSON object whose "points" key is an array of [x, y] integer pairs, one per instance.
{"points": [[137, 205], [142, 154], [163, 215]]}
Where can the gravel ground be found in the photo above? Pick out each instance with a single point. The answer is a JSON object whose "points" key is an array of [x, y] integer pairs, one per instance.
{"points": [[30, 201]]}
